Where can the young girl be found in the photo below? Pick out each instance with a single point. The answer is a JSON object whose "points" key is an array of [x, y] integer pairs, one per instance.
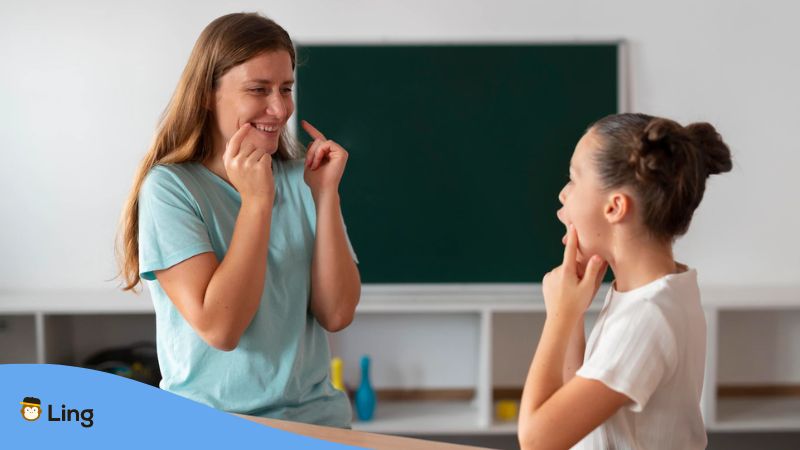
{"points": [[635, 181], [240, 240]]}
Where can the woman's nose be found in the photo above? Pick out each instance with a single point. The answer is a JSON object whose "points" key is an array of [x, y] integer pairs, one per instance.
{"points": [[276, 107]]}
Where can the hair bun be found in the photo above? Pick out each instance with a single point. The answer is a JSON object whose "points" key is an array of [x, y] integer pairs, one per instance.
{"points": [[661, 130], [716, 154], [665, 165], [660, 150]]}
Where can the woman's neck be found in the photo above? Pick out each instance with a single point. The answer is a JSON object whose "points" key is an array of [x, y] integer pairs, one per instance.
{"points": [[641, 260], [217, 165]]}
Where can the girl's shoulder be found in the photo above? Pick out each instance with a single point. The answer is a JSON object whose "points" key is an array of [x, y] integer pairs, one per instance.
{"points": [[663, 304]]}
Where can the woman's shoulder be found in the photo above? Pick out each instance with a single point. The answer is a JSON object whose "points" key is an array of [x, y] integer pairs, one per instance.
{"points": [[173, 178], [173, 171]]}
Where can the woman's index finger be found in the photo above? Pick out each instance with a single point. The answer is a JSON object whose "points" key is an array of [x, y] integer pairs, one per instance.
{"points": [[236, 140], [312, 131]]}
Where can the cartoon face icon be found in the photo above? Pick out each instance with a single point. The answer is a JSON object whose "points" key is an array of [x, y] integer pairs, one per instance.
{"points": [[31, 408]]}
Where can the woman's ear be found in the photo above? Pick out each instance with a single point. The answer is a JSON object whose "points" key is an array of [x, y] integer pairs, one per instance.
{"points": [[617, 207], [211, 101]]}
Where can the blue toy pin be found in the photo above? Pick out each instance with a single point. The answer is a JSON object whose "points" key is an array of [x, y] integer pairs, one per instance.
{"points": [[365, 395]]}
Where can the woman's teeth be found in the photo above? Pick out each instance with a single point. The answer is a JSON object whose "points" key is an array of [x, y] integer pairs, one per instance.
{"points": [[267, 128]]}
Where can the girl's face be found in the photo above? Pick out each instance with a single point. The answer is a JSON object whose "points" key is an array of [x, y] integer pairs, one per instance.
{"points": [[259, 92], [584, 201]]}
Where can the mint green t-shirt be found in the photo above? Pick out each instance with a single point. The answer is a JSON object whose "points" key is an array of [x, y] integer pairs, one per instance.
{"points": [[280, 368]]}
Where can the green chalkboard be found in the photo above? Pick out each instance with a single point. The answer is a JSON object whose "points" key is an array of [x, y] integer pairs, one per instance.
{"points": [[457, 152]]}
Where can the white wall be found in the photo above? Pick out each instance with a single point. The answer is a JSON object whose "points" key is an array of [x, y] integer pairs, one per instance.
{"points": [[83, 83]]}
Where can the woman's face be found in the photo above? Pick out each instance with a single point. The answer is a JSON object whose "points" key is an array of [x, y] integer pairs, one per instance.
{"points": [[584, 201], [259, 92]]}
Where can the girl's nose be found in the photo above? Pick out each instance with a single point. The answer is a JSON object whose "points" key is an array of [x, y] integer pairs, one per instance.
{"points": [[562, 196]]}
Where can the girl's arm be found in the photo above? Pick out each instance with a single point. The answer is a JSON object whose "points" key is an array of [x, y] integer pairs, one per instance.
{"points": [[569, 414], [335, 282], [219, 300], [577, 341], [554, 414], [575, 351]]}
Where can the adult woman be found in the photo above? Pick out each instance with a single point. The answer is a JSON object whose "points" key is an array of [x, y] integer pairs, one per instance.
{"points": [[242, 241]]}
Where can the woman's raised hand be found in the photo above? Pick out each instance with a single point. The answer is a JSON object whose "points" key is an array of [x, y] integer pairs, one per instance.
{"points": [[249, 168], [325, 162]]}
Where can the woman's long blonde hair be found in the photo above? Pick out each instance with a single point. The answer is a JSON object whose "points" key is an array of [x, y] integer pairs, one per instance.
{"points": [[184, 132]]}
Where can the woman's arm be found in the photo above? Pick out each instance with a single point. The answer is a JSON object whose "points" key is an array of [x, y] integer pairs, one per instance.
{"points": [[219, 300], [335, 281]]}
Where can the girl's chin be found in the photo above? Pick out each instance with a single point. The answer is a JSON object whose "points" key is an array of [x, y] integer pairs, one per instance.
{"points": [[580, 258]]}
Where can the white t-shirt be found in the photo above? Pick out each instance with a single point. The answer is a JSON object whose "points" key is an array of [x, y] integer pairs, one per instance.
{"points": [[649, 343]]}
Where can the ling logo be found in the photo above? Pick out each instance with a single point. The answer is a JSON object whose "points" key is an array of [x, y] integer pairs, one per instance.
{"points": [[32, 410]]}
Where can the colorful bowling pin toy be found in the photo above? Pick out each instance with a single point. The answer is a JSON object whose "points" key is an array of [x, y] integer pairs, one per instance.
{"points": [[365, 395], [337, 374]]}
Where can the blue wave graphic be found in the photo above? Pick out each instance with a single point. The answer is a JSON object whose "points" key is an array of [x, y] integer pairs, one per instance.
{"points": [[124, 414]]}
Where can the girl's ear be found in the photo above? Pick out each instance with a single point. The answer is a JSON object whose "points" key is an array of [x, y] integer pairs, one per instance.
{"points": [[617, 207]]}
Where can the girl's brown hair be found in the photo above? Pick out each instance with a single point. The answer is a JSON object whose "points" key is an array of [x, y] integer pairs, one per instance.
{"points": [[665, 164], [184, 132]]}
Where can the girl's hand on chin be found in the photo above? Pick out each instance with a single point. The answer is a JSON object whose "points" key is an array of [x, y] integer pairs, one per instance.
{"points": [[568, 291]]}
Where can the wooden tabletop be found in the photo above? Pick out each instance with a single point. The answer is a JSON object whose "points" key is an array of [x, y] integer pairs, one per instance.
{"points": [[355, 438]]}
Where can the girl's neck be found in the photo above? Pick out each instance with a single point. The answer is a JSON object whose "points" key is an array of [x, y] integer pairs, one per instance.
{"points": [[637, 262]]}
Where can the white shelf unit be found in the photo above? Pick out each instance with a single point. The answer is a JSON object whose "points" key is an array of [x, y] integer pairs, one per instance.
{"points": [[753, 331], [491, 307], [490, 336], [65, 327]]}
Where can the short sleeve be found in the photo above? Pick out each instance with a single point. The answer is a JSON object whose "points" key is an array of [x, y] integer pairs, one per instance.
{"points": [[633, 353], [171, 229]]}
